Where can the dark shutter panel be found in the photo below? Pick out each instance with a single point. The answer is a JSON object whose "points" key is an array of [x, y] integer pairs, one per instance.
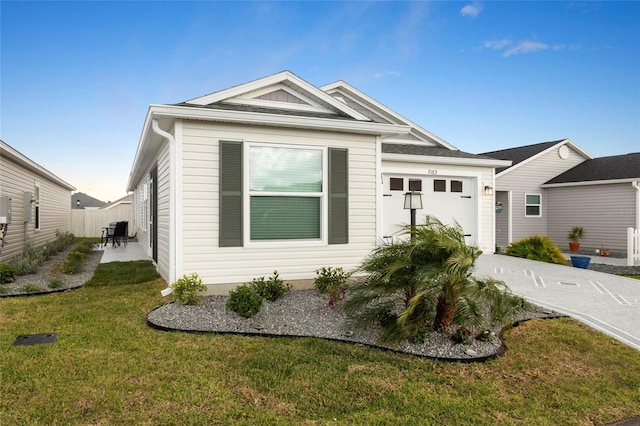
{"points": [[230, 226], [338, 196]]}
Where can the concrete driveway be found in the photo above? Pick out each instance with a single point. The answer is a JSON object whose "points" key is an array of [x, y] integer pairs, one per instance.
{"points": [[608, 303]]}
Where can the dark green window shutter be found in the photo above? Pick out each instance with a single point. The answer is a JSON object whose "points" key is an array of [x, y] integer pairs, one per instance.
{"points": [[338, 196], [230, 226]]}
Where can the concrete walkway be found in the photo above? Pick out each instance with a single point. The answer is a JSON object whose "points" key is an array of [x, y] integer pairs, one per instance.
{"points": [[605, 302], [122, 253]]}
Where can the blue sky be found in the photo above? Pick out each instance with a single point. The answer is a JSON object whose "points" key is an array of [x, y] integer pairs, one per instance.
{"points": [[77, 77]]}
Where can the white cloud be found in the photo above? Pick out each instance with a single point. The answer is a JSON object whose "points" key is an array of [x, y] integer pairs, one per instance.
{"points": [[471, 10], [496, 44], [384, 74], [527, 46]]}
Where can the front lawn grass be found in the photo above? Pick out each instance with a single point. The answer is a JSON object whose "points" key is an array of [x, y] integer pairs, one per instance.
{"points": [[109, 367]]}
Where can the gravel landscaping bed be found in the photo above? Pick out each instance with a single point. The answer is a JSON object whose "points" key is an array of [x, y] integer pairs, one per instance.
{"points": [[305, 313], [38, 283]]}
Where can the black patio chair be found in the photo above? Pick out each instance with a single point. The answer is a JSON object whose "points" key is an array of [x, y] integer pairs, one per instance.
{"points": [[120, 233]]}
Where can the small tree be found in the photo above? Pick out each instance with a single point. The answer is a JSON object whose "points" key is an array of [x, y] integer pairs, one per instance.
{"points": [[427, 283]]}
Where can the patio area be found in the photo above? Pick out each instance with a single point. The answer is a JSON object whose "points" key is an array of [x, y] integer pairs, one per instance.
{"points": [[132, 251]]}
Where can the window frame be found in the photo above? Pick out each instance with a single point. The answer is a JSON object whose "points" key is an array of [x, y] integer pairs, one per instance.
{"points": [[247, 193], [37, 214], [527, 205]]}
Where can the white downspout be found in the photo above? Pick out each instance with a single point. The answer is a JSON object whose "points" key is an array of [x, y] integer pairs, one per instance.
{"points": [[172, 144], [636, 185]]}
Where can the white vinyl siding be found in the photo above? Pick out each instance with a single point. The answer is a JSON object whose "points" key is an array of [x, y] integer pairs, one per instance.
{"points": [[55, 213], [221, 266]]}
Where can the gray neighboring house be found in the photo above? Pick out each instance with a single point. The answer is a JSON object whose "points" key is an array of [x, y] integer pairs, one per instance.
{"points": [[39, 203], [553, 186], [602, 195]]}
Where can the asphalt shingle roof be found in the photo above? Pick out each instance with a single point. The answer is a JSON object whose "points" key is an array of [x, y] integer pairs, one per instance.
{"points": [[616, 167], [265, 110], [520, 153], [432, 151]]}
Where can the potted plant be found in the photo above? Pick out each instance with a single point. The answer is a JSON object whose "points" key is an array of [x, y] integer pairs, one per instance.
{"points": [[575, 235], [604, 252]]}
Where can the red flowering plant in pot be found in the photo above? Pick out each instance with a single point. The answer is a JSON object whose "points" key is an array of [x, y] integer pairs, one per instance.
{"points": [[575, 235]]}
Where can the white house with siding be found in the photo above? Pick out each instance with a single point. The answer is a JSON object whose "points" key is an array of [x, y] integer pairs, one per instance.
{"points": [[38, 200], [278, 174]]}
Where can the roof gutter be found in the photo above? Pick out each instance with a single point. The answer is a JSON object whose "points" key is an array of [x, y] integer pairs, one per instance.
{"points": [[172, 143]]}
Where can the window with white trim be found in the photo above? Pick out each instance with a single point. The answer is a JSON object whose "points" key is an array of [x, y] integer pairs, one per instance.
{"points": [[282, 193], [286, 193], [533, 205]]}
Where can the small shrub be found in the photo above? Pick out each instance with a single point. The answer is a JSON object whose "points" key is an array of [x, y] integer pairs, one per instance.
{"points": [[271, 289], [53, 284], [7, 274], [462, 336], [536, 247], [188, 289], [485, 336], [31, 288], [245, 301], [333, 281]]}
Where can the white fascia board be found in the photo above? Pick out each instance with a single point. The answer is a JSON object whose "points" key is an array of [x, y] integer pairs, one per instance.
{"points": [[142, 145], [278, 120], [283, 77], [589, 183], [15, 155], [480, 162], [341, 85]]}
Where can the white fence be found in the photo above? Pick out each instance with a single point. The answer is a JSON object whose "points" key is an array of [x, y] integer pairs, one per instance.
{"points": [[633, 246], [89, 223]]}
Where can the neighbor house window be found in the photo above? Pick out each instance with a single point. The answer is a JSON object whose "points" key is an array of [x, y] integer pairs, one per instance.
{"points": [[286, 193], [533, 205], [36, 203]]}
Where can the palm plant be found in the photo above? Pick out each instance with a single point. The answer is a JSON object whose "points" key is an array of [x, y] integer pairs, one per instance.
{"points": [[427, 283]]}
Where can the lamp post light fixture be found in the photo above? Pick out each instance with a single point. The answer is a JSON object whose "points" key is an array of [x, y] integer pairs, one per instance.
{"points": [[413, 201], [78, 204]]}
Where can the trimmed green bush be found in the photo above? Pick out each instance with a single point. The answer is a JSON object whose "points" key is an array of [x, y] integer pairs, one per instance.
{"points": [[333, 281], [7, 274], [188, 289], [536, 247], [271, 289], [245, 301]]}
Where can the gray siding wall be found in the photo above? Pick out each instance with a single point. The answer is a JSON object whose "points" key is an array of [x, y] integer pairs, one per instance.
{"points": [[526, 179], [502, 220], [55, 208], [604, 211]]}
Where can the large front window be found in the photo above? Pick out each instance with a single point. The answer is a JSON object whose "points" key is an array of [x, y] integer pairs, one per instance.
{"points": [[533, 205], [286, 193]]}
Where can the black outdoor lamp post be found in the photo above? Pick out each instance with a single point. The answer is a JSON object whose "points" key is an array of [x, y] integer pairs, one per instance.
{"points": [[78, 204], [413, 201]]}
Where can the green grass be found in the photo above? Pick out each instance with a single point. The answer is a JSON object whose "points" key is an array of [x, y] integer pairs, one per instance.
{"points": [[637, 277], [109, 367]]}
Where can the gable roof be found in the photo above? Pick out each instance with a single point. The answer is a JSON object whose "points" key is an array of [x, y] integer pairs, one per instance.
{"points": [[624, 168], [378, 112], [14, 155], [523, 154]]}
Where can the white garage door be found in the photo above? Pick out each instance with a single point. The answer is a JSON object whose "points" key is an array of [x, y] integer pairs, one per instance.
{"points": [[448, 199]]}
